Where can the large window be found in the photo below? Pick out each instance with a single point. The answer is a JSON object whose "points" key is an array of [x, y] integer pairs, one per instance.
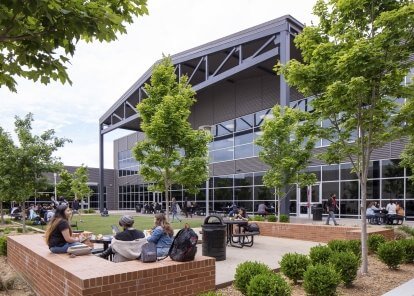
{"points": [[127, 165]]}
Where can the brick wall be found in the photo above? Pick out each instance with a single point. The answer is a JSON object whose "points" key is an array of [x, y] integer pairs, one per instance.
{"points": [[318, 233], [59, 274]]}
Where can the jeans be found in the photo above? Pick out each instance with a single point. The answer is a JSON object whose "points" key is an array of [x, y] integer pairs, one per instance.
{"points": [[161, 252], [63, 249], [331, 214]]}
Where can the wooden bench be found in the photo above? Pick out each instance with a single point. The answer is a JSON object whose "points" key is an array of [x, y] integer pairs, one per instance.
{"points": [[91, 275]]}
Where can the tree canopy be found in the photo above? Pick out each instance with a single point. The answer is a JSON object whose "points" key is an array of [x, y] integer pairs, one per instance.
{"points": [[79, 183], [32, 158], [288, 140], [172, 153], [38, 37], [354, 61]]}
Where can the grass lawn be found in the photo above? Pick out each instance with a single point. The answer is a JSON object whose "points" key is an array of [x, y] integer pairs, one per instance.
{"points": [[102, 225]]}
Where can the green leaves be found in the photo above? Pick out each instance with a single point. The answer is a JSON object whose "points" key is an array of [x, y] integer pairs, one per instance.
{"points": [[32, 32], [172, 153], [288, 139]]}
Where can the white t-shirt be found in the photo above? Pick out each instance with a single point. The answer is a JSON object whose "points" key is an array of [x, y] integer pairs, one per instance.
{"points": [[391, 208]]}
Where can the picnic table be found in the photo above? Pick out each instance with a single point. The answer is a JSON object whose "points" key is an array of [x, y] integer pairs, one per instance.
{"points": [[239, 237]]}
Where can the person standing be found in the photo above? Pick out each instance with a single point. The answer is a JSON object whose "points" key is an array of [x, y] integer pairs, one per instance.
{"points": [[175, 209], [332, 206]]}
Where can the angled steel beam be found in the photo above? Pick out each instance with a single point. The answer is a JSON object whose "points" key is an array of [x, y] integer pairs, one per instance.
{"points": [[131, 106], [246, 64], [119, 124], [264, 45], [224, 61], [195, 70]]}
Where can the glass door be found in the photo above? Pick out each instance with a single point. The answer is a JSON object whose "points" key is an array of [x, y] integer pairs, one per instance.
{"points": [[308, 196]]}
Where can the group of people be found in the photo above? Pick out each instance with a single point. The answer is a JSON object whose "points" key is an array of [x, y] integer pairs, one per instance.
{"points": [[378, 215], [126, 245]]}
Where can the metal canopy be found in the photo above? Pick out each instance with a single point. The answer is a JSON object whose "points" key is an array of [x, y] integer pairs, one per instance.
{"points": [[221, 60]]}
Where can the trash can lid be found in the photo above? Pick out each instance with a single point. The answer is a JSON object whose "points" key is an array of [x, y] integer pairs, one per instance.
{"points": [[214, 217]]}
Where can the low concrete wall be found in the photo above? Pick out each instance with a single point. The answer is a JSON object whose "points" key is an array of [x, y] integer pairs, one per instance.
{"points": [[59, 274], [318, 233]]}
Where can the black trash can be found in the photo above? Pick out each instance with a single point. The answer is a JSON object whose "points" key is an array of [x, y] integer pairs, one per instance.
{"points": [[214, 237], [317, 211]]}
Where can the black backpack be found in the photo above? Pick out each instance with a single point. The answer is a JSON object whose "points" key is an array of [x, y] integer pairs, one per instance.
{"points": [[184, 245]]}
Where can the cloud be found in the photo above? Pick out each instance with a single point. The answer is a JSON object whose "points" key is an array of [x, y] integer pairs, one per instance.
{"points": [[102, 72]]}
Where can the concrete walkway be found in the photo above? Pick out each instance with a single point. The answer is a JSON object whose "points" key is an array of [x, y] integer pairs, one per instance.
{"points": [[406, 289]]}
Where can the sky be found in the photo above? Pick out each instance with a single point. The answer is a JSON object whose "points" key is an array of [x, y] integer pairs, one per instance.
{"points": [[102, 72]]}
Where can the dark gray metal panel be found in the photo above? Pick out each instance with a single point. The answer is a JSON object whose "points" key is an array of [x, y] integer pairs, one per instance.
{"points": [[123, 144], [223, 168], [249, 165], [397, 147], [248, 96], [295, 95], [381, 153], [203, 110], [270, 91], [132, 139], [224, 102]]}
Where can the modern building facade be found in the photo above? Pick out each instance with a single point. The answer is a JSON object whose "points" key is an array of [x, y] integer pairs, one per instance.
{"points": [[236, 88]]}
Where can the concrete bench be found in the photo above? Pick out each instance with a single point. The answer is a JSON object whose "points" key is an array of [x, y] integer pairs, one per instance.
{"points": [[60, 274]]}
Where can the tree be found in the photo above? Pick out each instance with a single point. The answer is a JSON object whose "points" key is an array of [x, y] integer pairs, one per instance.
{"points": [[287, 140], [172, 153], [407, 120], [354, 61], [7, 161], [79, 184], [64, 187], [37, 37], [33, 158]]}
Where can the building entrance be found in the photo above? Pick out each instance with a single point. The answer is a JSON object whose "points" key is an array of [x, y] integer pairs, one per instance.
{"points": [[306, 197]]}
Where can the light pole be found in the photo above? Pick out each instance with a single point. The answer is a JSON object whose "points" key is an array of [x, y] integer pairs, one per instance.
{"points": [[55, 176], [207, 129]]}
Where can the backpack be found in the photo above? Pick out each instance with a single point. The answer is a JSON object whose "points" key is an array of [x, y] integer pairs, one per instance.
{"points": [[184, 245], [252, 227], [148, 252]]}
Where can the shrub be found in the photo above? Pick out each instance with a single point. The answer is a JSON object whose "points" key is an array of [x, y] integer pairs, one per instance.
{"points": [[20, 230], [391, 253], [257, 218], [338, 245], [3, 246], [293, 265], [321, 280], [268, 284], [284, 218], [374, 241], [407, 229], [320, 254], [246, 271], [271, 218], [354, 245], [400, 234], [346, 264], [408, 250]]}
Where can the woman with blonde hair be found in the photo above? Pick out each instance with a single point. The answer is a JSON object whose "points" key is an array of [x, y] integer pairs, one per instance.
{"points": [[162, 235], [58, 234]]}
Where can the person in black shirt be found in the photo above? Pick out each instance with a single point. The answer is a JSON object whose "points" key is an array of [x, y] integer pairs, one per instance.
{"points": [[58, 234], [126, 245]]}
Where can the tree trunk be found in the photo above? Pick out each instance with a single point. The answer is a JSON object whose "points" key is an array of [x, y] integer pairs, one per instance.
{"points": [[167, 201], [277, 199], [23, 216], [1, 213], [364, 235]]}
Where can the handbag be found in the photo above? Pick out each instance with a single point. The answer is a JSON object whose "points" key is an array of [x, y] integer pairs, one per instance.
{"points": [[79, 250], [148, 252]]}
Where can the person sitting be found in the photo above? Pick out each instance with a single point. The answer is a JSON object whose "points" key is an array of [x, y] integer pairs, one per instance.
{"points": [[391, 211], [58, 234], [400, 210], [370, 213], [161, 235], [126, 245], [104, 213], [262, 209], [242, 214], [234, 210]]}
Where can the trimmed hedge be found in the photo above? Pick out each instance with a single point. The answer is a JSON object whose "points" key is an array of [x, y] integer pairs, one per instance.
{"points": [[391, 253], [294, 265], [3, 245], [374, 241], [320, 254], [346, 264], [320, 280], [246, 271], [268, 284]]}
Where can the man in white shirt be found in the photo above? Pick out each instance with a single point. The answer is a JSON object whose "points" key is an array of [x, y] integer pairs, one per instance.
{"points": [[392, 211]]}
